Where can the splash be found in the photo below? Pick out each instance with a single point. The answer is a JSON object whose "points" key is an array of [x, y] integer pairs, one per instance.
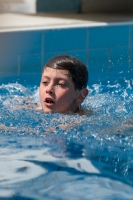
{"points": [[84, 152]]}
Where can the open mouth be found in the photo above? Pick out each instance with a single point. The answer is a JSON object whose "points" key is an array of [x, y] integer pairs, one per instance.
{"points": [[49, 101]]}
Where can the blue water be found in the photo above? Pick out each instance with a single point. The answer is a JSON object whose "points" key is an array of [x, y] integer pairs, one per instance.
{"points": [[56, 156]]}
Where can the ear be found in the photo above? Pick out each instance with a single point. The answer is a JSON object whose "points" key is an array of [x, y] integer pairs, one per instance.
{"points": [[81, 96]]}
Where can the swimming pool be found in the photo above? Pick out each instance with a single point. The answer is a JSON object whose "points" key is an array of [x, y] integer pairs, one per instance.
{"points": [[54, 156], [86, 158]]}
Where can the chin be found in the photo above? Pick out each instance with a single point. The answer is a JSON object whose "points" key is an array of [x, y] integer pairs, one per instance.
{"points": [[48, 111]]}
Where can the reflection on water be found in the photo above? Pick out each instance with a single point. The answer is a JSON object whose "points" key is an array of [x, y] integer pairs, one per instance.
{"points": [[55, 156]]}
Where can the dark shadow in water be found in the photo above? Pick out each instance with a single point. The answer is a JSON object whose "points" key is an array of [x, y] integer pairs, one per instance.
{"points": [[17, 197]]}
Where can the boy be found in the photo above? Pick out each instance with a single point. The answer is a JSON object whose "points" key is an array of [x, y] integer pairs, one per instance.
{"points": [[63, 85]]}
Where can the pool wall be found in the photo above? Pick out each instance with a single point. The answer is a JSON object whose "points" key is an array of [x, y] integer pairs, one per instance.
{"points": [[58, 6], [106, 50]]}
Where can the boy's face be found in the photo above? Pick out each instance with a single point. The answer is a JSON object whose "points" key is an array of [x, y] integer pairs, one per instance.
{"points": [[57, 91]]}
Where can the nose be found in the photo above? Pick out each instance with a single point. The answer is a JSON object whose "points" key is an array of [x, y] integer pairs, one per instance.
{"points": [[50, 89]]}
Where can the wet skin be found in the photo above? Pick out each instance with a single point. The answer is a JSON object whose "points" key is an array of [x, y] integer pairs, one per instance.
{"points": [[57, 91]]}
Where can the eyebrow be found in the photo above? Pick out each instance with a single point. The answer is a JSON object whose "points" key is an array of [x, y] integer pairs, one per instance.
{"points": [[45, 77], [56, 79]]}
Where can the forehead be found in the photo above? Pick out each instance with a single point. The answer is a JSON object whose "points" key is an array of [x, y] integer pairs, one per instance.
{"points": [[50, 72]]}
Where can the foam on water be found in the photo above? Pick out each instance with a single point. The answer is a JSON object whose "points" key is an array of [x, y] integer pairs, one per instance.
{"points": [[55, 156]]}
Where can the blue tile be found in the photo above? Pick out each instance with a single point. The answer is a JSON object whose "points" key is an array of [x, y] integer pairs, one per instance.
{"points": [[117, 76], [8, 65], [81, 55], [7, 78], [119, 58], [131, 74], [98, 77], [30, 64], [98, 65], [108, 36], [16, 43], [65, 40], [132, 35], [131, 64], [98, 60], [119, 65], [33, 79], [131, 57]]}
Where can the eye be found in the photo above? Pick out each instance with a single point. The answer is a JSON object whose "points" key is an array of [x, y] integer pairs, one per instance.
{"points": [[45, 83], [61, 84]]}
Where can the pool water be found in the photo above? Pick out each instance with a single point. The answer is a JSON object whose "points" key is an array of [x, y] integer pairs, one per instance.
{"points": [[56, 156]]}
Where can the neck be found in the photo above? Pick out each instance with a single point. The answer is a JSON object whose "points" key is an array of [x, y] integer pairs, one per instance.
{"points": [[77, 110]]}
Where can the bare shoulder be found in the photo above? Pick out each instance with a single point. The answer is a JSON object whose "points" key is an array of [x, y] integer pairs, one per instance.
{"points": [[129, 123], [3, 127], [86, 112], [38, 108]]}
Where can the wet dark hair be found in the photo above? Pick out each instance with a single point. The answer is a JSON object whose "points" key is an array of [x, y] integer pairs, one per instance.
{"points": [[75, 67]]}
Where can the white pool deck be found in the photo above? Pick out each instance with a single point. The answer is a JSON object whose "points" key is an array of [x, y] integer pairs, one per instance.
{"points": [[19, 22]]}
